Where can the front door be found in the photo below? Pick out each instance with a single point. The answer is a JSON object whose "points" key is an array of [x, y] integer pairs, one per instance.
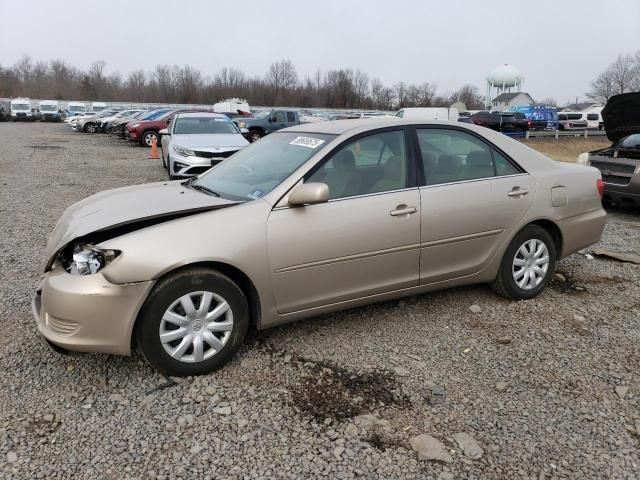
{"points": [[473, 198], [364, 241]]}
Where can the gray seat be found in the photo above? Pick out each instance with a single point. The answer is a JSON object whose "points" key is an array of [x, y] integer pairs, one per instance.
{"points": [[430, 163], [479, 165], [342, 179], [394, 178], [447, 170]]}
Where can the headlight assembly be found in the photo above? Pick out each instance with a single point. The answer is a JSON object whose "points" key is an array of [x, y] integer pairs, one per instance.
{"points": [[85, 259], [185, 152], [242, 124]]}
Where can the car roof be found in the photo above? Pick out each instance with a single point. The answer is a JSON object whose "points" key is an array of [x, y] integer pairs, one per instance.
{"points": [[201, 114], [339, 127]]}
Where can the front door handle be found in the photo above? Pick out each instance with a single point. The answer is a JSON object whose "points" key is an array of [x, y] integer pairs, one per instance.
{"points": [[402, 210], [517, 192]]}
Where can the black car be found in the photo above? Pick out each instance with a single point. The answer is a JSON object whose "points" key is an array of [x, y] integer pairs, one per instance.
{"points": [[500, 121]]}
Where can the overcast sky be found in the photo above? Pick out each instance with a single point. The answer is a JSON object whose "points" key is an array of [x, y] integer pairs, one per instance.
{"points": [[559, 46]]}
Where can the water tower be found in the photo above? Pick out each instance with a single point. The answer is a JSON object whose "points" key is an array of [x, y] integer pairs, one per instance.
{"points": [[503, 79]]}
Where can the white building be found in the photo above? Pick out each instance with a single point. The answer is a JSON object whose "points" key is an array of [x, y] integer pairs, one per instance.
{"points": [[511, 99]]}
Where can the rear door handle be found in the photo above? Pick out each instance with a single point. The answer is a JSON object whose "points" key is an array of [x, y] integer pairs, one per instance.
{"points": [[517, 192], [402, 210]]}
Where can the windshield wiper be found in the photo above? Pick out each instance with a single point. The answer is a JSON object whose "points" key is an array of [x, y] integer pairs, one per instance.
{"points": [[202, 188]]}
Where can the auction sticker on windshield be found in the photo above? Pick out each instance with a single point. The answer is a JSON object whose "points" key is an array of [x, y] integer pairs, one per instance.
{"points": [[308, 142]]}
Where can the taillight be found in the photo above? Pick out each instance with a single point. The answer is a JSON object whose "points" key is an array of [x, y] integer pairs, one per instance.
{"points": [[600, 186], [529, 123]]}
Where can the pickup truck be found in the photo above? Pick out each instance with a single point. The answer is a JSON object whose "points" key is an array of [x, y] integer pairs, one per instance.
{"points": [[269, 121]]}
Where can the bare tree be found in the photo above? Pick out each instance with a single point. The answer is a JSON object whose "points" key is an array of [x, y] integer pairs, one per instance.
{"points": [[623, 75], [281, 77], [549, 102]]}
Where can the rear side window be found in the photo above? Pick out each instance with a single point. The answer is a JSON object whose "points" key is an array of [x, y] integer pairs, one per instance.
{"points": [[574, 116], [453, 156], [592, 116], [291, 117], [562, 116]]}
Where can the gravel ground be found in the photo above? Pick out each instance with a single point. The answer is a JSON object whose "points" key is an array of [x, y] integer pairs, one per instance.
{"points": [[548, 388]]}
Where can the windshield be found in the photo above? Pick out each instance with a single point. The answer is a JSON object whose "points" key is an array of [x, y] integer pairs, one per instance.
{"points": [[263, 114], [77, 108], [48, 108], [153, 114], [20, 106], [259, 168], [205, 125]]}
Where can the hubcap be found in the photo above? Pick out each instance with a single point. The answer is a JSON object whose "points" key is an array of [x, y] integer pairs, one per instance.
{"points": [[530, 264], [148, 139], [196, 326]]}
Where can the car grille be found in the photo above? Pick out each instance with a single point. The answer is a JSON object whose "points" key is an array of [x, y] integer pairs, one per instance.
{"points": [[614, 167], [63, 327], [202, 154]]}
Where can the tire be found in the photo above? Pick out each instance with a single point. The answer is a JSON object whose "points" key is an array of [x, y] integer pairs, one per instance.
{"points": [[166, 298], [146, 138], [89, 127], [505, 283], [255, 135]]}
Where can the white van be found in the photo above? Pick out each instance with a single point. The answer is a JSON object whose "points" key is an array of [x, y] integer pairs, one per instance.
{"points": [[49, 111], [74, 108], [430, 113], [21, 110], [98, 106]]}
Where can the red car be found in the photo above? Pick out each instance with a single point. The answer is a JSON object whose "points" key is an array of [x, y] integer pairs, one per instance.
{"points": [[145, 131]]}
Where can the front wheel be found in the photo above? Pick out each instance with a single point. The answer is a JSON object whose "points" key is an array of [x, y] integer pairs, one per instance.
{"points": [[90, 128], [147, 138], [255, 135], [193, 322], [527, 264]]}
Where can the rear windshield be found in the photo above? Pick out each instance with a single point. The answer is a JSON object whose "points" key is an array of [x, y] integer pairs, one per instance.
{"points": [[203, 125]]}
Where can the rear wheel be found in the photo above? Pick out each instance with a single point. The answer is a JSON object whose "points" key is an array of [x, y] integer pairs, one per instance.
{"points": [[192, 323], [147, 138], [527, 264]]}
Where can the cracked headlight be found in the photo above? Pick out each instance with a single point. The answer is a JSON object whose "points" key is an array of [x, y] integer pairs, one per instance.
{"points": [[87, 259], [185, 152]]}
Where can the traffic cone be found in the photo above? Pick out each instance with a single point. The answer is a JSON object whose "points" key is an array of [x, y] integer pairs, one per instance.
{"points": [[154, 155]]}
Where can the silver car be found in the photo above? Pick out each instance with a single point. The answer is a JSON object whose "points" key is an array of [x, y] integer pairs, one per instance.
{"points": [[309, 220], [196, 141]]}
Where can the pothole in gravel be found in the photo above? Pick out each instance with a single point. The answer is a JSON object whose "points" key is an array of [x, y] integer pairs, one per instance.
{"points": [[575, 284], [329, 391]]}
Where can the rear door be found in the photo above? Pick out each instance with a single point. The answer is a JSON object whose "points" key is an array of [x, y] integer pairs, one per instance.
{"points": [[473, 197]]}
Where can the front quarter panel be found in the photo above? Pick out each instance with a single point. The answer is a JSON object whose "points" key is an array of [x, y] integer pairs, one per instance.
{"points": [[235, 235]]}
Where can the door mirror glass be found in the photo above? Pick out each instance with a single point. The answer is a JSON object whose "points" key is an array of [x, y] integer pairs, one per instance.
{"points": [[309, 194]]}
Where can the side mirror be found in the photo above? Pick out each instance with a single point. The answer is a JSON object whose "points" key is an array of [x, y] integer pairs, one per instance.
{"points": [[164, 131], [244, 131], [309, 194], [272, 119]]}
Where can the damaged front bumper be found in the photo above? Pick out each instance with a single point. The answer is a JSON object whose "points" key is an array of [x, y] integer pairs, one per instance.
{"points": [[87, 313]]}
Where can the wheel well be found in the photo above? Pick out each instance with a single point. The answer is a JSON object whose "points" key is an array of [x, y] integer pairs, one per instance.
{"points": [[260, 129], [238, 276], [554, 231]]}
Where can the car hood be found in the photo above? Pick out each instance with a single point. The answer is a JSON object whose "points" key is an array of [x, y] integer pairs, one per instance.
{"points": [[621, 115], [140, 204], [220, 140]]}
